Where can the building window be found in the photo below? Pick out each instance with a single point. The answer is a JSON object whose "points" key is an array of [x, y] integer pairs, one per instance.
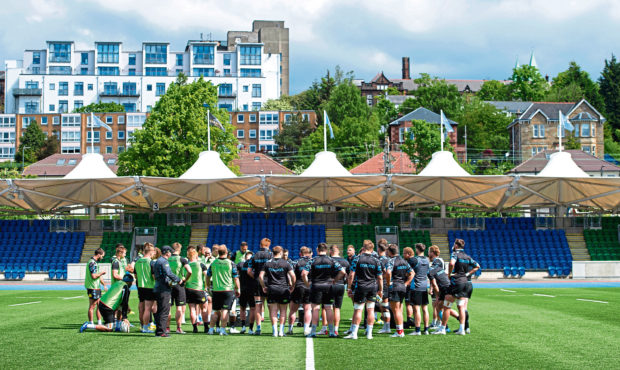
{"points": [[108, 150], [78, 89], [226, 106], [240, 134], [245, 88], [36, 57], [121, 119], [107, 53], [84, 58], [56, 120], [56, 70], [26, 121], [71, 121], [288, 117], [252, 134], [63, 88], [227, 58], [256, 105], [89, 138], [252, 148], [52, 87], [129, 88], [90, 87], [256, 91], [52, 107], [93, 149], [110, 88], [225, 90], [538, 149], [108, 71], [593, 150], [60, 52], [180, 60], [72, 136], [250, 72], [108, 135], [121, 149], [36, 70], [32, 107], [305, 117], [44, 120], [585, 130], [240, 118], [269, 119], [402, 133], [227, 72], [538, 131], [132, 60], [83, 71], [149, 87], [129, 107], [156, 71], [149, 108], [252, 118], [250, 55], [267, 134], [132, 72], [121, 135], [160, 89], [205, 72], [77, 104], [156, 54], [245, 107], [7, 137], [109, 120], [203, 54], [70, 150]]}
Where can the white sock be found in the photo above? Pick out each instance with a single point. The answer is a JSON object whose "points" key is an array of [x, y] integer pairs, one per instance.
{"points": [[98, 322], [354, 329], [89, 322], [399, 327], [90, 326], [281, 328], [462, 327], [336, 328], [306, 327], [369, 329], [274, 328]]}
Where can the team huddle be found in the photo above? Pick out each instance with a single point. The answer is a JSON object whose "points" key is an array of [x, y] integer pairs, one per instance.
{"points": [[216, 286]]}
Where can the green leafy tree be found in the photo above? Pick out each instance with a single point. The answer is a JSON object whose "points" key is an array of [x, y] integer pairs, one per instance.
{"points": [[176, 132], [493, 90], [436, 94], [290, 138], [385, 111], [610, 91], [486, 127], [312, 144], [30, 143], [355, 134], [51, 146], [527, 84], [409, 105], [100, 108], [284, 103], [346, 101], [426, 141], [575, 84], [393, 91], [570, 142]]}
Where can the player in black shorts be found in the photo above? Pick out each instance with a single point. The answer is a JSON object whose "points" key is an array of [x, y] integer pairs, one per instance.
{"points": [[421, 267], [301, 293], [368, 276], [277, 281], [179, 267], [436, 261], [339, 287], [459, 270], [440, 285], [255, 266], [399, 276], [320, 272], [246, 299], [195, 290]]}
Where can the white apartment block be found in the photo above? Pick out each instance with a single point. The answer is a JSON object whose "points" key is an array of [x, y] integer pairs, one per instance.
{"points": [[60, 78]]}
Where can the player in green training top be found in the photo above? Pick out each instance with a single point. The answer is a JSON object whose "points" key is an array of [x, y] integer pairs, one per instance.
{"points": [[179, 267], [93, 283], [116, 298], [195, 290], [222, 277], [240, 254], [146, 283]]}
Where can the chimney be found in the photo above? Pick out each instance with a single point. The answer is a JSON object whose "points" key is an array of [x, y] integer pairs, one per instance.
{"points": [[406, 71]]}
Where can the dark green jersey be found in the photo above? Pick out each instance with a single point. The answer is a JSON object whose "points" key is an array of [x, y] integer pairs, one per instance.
{"points": [[177, 265], [144, 277], [114, 296], [92, 267], [196, 279]]}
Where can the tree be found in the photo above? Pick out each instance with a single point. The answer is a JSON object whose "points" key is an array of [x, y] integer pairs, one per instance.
{"points": [[610, 91], [426, 141], [346, 101], [386, 112], [50, 146], [176, 132], [486, 127], [290, 138], [527, 84], [575, 84], [355, 134], [393, 91], [436, 94], [284, 103], [570, 142], [30, 143], [493, 90], [100, 108], [409, 105]]}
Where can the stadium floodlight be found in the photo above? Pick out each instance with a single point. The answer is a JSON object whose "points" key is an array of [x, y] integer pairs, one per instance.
{"points": [[145, 193], [135, 193], [20, 195]]}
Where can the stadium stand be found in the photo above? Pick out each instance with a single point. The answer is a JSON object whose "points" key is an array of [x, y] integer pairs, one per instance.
{"points": [[603, 244], [111, 239], [28, 246], [255, 226], [356, 234], [515, 246], [166, 235]]}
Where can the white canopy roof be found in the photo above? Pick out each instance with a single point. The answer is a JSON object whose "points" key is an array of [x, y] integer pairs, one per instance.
{"points": [[325, 164], [92, 166], [443, 164], [208, 166], [561, 164]]}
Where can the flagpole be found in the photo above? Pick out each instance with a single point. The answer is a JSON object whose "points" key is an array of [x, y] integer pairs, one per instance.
{"points": [[324, 131], [441, 128], [208, 129], [560, 128], [92, 134]]}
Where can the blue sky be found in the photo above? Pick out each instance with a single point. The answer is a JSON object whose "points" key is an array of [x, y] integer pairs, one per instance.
{"points": [[451, 39]]}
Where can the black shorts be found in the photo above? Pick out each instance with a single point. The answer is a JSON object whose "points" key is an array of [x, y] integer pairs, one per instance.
{"points": [[397, 294], [146, 294], [178, 295], [107, 314], [365, 294], [258, 291], [94, 294], [459, 290], [321, 294], [247, 298], [337, 294], [408, 295], [419, 297], [278, 294], [470, 289], [443, 292], [301, 295], [194, 296], [223, 300]]}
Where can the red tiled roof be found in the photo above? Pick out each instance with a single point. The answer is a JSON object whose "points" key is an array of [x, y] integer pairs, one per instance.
{"points": [[49, 167], [375, 165], [259, 164]]}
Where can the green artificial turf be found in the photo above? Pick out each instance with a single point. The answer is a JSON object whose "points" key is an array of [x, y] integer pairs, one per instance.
{"points": [[509, 330]]}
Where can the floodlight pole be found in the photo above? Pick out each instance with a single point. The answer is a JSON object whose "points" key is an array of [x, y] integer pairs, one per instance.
{"points": [[23, 162]]}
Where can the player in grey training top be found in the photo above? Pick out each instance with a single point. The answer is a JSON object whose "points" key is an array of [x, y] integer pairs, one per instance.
{"points": [[421, 268], [436, 262]]}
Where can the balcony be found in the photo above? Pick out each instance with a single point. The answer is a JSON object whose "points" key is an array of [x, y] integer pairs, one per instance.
{"points": [[27, 92], [227, 95], [120, 94]]}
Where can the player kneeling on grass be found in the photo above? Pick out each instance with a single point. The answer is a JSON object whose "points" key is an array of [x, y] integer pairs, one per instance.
{"points": [[399, 276], [222, 278], [117, 297], [277, 281]]}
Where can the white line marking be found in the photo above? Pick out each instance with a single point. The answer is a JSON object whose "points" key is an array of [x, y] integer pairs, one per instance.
{"points": [[590, 300], [509, 291], [77, 296], [544, 295], [22, 304], [309, 354], [30, 297]]}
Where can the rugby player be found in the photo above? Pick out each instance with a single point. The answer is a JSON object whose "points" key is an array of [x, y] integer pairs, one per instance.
{"points": [[119, 267], [117, 297], [440, 285], [179, 267], [399, 277], [368, 276], [145, 284], [277, 280], [247, 294], [164, 281], [195, 290], [419, 298], [223, 282], [384, 305], [255, 266], [301, 293], [338, 288], [240, 254], [459, 271], [93, 283], [436, 261], [321, 272]]}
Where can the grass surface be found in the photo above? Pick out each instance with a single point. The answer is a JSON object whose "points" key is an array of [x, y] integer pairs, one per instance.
{"points": [[509, 330]]}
